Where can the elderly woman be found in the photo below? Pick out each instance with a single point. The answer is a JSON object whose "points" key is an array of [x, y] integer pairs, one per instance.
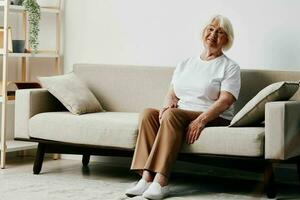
{"points": [[202, 92]]}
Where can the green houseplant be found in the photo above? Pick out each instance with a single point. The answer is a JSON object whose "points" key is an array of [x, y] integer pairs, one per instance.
{"points": [[34, 12]]}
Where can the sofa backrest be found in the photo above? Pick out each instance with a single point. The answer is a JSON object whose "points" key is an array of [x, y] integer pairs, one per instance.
{"points": [[255, 80], [126, 88]]}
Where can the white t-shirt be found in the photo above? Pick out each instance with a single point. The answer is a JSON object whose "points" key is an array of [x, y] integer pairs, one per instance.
{"points": [[197, 83]]}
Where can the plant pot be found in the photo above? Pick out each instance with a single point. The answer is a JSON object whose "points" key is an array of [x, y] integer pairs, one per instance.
{"points": [[18, 46], [16, 2]]}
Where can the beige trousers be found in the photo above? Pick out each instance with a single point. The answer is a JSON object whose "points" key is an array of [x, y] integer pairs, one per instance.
{"points": [[158, 144]]}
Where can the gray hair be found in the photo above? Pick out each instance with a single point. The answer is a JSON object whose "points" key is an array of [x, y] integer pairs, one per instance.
{"points": [[226, 25]]}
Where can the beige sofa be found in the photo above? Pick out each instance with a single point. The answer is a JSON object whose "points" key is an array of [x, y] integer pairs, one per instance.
{"points": [[124, 91]]}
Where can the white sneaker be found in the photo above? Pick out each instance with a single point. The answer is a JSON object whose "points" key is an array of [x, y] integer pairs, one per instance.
{"points": [[138, 189], [156, 191]]}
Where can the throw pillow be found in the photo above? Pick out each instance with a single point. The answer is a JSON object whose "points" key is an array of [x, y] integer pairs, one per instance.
{"points": [[72, 93], [254, 111]]}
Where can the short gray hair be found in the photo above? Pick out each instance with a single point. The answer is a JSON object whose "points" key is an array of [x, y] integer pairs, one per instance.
{"points": [[226, 25]]}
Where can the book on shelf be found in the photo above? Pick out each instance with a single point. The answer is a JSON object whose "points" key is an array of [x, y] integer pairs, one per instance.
{"points": [[12, 86]]}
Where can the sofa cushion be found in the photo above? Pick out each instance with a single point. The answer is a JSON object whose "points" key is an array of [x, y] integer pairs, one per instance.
{"points": [[72, 93], [240, 141], [111, 129], [254, 111], [120, 129]]}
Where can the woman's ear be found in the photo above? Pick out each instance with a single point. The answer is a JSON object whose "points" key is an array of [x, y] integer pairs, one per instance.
{"points": [[226, 41]]}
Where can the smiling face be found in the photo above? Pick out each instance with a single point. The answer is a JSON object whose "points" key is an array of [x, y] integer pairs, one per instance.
{"points": [[214, 37]]}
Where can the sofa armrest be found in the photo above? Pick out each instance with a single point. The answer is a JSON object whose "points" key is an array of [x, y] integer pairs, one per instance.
{"points": [[30, 102], [282, 130]]}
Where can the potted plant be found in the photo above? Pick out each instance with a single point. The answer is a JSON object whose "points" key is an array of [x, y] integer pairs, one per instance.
{"points": [[34, 12]]}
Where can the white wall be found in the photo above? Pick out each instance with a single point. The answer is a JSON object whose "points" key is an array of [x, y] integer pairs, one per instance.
{"points": [[165, 32]]}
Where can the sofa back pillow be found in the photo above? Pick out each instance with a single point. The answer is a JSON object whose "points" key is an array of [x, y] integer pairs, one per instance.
{"points": [[254, 111], [72, 93]]}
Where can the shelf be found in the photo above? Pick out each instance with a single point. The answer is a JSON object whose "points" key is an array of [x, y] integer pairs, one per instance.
{"points": [[13, 145], [10, 99], [31, 55], [7, 11], [37, 55], [10, 102], [14, 8]]}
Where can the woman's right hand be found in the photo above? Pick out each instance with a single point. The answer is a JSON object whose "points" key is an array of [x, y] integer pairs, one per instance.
{"points": [[171, 101], [161, 112]]}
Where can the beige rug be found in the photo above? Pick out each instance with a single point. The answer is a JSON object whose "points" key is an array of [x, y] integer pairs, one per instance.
{"points": [[24, 186], [67, 180]]}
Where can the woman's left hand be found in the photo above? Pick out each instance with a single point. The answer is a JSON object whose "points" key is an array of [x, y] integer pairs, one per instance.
{"points": [[194, 130]]}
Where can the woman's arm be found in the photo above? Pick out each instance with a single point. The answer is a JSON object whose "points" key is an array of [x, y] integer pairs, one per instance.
{"points": [[170, 101], [224, 101]]}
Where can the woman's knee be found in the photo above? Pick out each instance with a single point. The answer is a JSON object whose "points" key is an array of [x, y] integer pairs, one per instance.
{"points": [[148, 113], [169, 114]]}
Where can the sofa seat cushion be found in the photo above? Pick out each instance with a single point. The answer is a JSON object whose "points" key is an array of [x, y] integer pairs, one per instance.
{"points": [[236, 141], [120, 129], [109, 129]]}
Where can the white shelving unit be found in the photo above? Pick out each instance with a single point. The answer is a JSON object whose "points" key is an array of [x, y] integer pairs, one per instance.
{"points": [[20, 9], [19, 145], [5, 7]]}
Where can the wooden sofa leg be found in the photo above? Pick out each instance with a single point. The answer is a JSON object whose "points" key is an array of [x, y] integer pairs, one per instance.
{"points": [[85, 159], [269, 181], [39, 158]]}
